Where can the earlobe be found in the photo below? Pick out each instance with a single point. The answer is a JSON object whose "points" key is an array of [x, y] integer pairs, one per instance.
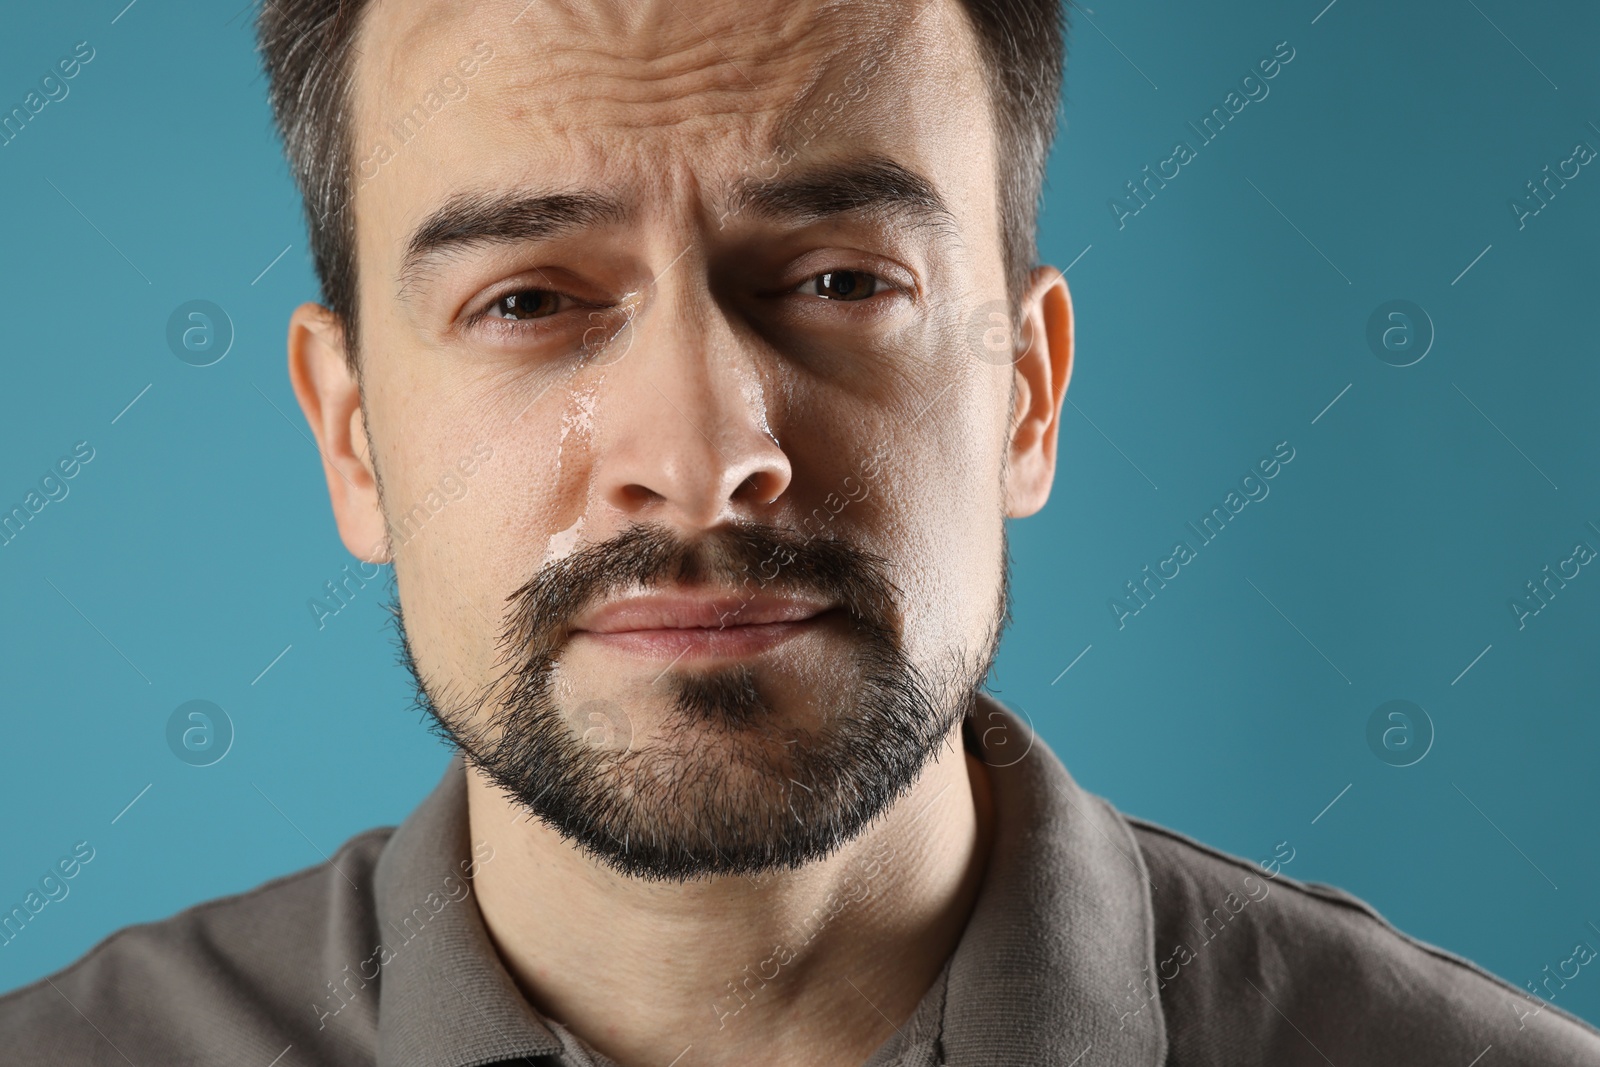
{"points": [[330, 398], [1042, 369]]}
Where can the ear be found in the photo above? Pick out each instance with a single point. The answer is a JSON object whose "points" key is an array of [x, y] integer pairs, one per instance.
{"points": [[330, 396], [1044, 363]]}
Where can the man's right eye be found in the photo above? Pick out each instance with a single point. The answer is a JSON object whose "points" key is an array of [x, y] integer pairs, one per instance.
{"points": [[525, 304]]}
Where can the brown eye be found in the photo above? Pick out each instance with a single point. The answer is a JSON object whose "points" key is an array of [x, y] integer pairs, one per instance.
{"points": [[842, 285], [526, 304]]}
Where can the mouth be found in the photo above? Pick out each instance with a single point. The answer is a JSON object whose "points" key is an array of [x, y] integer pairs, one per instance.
{"points": [[708, 627]]}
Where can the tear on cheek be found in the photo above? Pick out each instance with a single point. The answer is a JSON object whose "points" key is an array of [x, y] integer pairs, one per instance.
{"points": [[562, 543]]}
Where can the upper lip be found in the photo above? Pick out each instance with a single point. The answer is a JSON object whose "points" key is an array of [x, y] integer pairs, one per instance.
{"points": [[689, 611]]}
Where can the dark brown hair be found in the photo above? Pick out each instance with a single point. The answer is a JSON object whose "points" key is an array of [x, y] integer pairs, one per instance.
{"points": [[307, 48]]}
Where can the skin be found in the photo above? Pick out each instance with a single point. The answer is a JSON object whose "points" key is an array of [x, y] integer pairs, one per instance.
{"points": [[728, 390]]}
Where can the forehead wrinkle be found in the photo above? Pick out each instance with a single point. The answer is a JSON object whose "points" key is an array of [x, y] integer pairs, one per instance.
{"points": [[601, 60], [881, 32], [820, 107], [596, 62], [396, 57], [701, 66], [594, 91], [739, 33]]}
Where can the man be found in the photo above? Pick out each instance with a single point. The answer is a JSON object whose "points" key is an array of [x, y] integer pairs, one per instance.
{"points": [[685, 360]]}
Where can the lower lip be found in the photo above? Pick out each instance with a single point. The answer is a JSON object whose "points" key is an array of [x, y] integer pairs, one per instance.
{"points": [[729, 642]]}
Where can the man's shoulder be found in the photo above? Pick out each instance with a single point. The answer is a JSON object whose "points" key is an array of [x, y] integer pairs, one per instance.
{"points": [[237, 977], [1254, 966]]}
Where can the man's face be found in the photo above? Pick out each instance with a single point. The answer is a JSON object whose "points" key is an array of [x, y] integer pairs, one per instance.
{"points": [[691, 439]]}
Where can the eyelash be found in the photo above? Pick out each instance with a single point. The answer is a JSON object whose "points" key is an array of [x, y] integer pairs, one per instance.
{"points": [[493, 306], [876, 284]]}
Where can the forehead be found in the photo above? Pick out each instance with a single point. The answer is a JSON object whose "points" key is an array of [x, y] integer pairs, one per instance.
{"points": [[653, 95]]}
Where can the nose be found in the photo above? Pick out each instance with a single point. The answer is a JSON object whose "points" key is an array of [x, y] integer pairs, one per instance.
{"points": [[684, 434]]}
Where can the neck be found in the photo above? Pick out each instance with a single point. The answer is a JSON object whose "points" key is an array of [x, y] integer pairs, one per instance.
{"points": [[818, 965]]}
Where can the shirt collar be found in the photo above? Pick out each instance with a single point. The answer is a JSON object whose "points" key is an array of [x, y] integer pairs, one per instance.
{"points": [[445, 999], [1060, 939], [1063, 928]]}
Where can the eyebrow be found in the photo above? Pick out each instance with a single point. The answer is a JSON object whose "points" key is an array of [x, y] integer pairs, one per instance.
{"points": [[472, 219], [875, 186]]}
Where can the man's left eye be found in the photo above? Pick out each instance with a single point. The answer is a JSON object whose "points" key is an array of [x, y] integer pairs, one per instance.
{"points": [[841, 285]]}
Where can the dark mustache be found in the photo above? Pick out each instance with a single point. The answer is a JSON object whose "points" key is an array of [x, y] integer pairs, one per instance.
{"points": [[747, 557]]}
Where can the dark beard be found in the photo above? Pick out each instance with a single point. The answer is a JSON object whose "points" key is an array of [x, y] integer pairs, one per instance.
{"points": [[741, 794]]}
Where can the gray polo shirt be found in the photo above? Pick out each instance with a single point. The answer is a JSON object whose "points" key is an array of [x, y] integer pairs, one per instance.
{"points": [[1097, 941]]}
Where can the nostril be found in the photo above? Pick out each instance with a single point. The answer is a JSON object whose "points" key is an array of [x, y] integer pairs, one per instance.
{"points": [[634, 496], [761, 487]]}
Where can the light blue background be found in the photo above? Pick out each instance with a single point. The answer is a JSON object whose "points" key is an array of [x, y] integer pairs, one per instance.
{"points": [[1210, 328]]}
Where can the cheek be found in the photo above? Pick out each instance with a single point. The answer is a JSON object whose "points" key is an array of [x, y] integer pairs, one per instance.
{"points": [[458, 555], [961, 531], [934, 509], [934, 506]]}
